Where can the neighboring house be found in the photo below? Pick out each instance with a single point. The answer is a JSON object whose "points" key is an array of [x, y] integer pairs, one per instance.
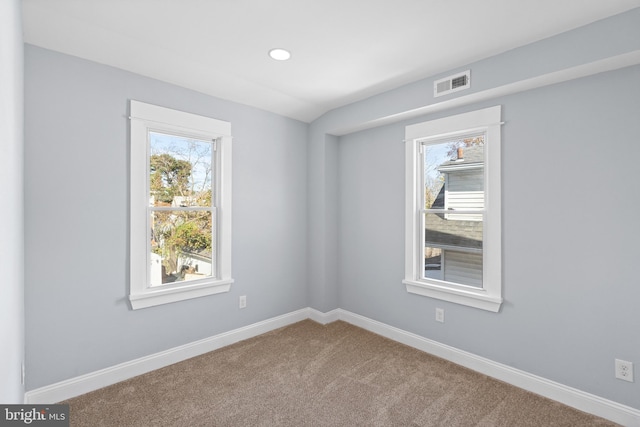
{"points": [[180, 201], [199, 264], [177, 201], [454, 240], [192, 266]]}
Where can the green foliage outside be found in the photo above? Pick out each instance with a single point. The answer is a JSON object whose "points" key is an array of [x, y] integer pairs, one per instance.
{"points": [[178, 233], [169, 177]]}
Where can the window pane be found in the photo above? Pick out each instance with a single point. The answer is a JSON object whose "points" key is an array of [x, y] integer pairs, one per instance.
{"points": [[453, 249], [180, 171], [181, 246], [454, 174]]}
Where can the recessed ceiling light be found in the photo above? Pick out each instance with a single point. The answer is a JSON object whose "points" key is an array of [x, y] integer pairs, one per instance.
{"points": [[279, 54]]}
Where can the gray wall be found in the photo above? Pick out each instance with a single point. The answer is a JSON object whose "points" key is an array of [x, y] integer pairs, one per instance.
{"points": [[11, 194], [76, 196], [569, 185], [570, 231]]}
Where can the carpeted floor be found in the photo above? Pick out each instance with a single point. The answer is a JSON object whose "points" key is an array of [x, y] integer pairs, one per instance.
{"points": [[308, 374]]}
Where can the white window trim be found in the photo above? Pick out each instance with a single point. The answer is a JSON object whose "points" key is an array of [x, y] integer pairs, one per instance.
{"points": [[490, 296], [145, 117]]}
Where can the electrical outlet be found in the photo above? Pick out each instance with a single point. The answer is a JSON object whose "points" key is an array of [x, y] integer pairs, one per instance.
{"points": [[440, 315], [243, 301], [624, 370]]}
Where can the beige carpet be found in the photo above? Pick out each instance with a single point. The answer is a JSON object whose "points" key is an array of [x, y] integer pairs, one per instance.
{"points": [[308, 374]]}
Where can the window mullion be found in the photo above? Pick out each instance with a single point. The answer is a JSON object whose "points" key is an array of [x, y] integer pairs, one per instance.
{"points": [[181, 208]]}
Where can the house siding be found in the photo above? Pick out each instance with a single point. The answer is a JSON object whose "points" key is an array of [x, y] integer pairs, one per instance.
{"points": [[465, 190], [462, 267]]}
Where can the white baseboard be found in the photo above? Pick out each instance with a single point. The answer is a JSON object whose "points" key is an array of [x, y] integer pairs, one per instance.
{"points": [[95, 380], [575, 398], [324, 318]]}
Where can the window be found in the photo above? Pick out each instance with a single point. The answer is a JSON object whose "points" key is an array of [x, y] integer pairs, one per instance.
{"points": [[180, 206], [453, 225]]}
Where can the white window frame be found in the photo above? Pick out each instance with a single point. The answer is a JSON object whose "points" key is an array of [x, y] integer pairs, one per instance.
{"points": [[144, 119], [490, 296]]}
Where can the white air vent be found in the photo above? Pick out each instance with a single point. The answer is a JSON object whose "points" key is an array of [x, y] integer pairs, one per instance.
{"points": [[452, 84]]}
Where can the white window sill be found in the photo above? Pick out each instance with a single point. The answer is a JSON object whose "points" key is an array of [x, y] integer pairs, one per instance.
{"points": [[163, 295], [478, 299]]}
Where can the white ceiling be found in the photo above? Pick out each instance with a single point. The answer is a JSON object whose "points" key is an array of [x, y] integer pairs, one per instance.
{"points": [[343, 50]]}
